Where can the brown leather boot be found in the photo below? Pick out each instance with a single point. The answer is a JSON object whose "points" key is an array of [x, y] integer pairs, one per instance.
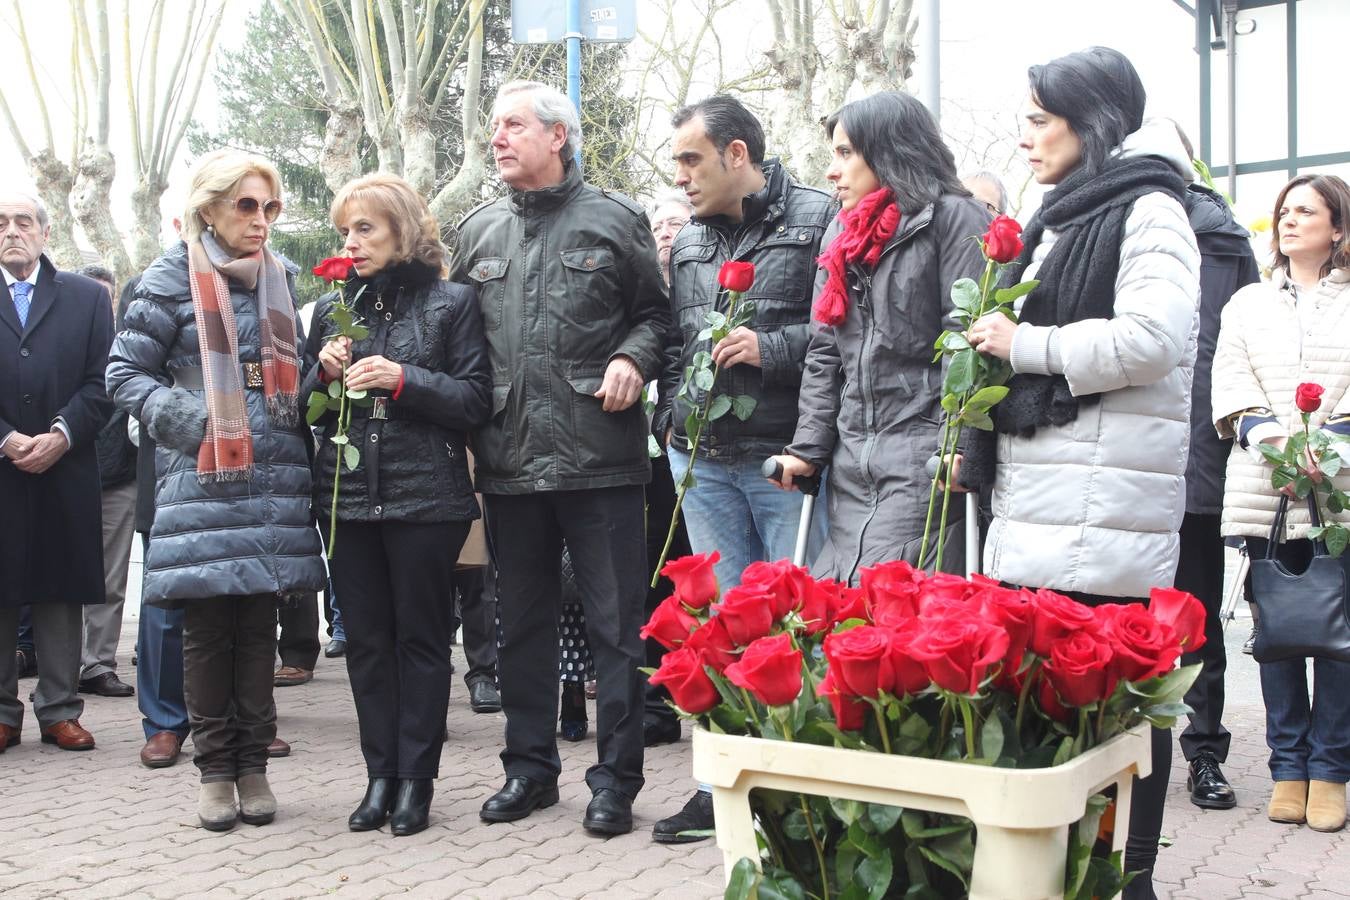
{"points": [[1289, 801], [1326, 806]]}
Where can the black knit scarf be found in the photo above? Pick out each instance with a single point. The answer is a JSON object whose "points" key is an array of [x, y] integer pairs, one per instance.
{"points": [[1077, 282]]}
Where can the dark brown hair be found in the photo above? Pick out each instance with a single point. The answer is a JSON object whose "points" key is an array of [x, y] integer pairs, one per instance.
{"points": [[1335, 193]]}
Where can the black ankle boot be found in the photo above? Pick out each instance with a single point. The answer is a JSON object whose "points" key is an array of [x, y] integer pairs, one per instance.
{"points": [[572, 722], [374, 808], [412, 806]]}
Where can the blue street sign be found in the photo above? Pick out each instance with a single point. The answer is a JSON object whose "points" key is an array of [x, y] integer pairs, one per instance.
{"points": [[545, 21]]}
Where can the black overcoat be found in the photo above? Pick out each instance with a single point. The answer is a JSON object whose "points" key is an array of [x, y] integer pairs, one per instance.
{"points": [[52, 551]]}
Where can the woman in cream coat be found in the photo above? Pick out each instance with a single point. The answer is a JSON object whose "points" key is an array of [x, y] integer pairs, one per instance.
{"points": [[1274, 336]]}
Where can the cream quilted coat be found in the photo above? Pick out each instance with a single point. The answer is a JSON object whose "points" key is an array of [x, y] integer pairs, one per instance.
{"points": [[1261, 358]]}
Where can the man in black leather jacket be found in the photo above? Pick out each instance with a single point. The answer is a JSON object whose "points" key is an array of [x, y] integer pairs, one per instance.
{"points": [[574, 308], [746, 209]]}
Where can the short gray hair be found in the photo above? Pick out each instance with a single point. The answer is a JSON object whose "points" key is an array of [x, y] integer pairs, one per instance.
{"points": [[990, 178], [670, 196], [43, 219], [551, 106]]}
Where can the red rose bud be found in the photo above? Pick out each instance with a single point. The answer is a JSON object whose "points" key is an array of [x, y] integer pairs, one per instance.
{"points": [[1056, 616], [1183, 613], [850, 713], [770, 669], [712, 643], [1079, 669], [1003, 241], [690, 687], [670, 624], [1143, 647], [334, 268], [1308, 396], [694, 578], [736, 276], [860, 659], [747, 612]]}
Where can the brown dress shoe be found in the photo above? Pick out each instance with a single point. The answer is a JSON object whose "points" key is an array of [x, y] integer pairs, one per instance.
{"points": [[68, 735], [278, 748], [290, 676], [161, 750], [9, 736]]}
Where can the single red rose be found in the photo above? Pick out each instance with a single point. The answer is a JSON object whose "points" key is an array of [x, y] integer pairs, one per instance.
{"points": [[790, 585], [1308, 396], [958, 653], [713, 644], [891, 593], [747, 612], [1014, 611], [670, 624], [1079, 668], [1143, 647], [860, 659], [908, 673], [1183, 613], [683, 675], [943, 586], [822, 597], [694, 578], [736, 276], [334, 268], [770, 669], [851, 603], [850, 713], [1003, 241], [1056, 616]]}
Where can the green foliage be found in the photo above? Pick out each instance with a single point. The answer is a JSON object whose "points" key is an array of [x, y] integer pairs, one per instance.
{"points": [[1311, 453]]}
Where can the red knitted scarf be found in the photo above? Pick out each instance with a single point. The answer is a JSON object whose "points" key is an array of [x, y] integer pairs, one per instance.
{"points": [[866, 229]]}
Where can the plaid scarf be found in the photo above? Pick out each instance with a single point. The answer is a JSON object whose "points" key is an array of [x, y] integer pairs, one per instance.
{"points": [[227, 452], [866, 229]]}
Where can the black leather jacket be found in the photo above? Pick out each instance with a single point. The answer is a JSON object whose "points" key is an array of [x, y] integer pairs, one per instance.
{"points": [[567, 279], [412, 465], [780, 234]]}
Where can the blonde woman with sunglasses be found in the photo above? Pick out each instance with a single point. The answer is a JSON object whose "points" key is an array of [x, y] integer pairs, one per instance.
{"points": [[209, 363]]}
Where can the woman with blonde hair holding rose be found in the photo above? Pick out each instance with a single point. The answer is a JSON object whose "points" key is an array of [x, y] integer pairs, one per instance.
{"points": [[1274, 335], [208, 359], [403, 512]]}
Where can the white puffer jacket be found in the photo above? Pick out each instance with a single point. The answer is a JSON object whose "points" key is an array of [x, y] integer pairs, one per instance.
{"points": [[1260, 360], [1094, 505]]}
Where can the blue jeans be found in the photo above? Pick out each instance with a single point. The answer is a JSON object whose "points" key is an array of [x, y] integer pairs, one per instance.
{"points": [[735, 510], [1309, 739], [339, 631], [159, 671]]}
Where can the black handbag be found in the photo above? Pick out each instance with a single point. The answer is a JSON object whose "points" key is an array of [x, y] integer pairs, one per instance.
{"points": [[1301, 614]]}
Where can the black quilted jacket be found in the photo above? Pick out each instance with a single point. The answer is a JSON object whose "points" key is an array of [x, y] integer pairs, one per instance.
{"points": [[412, 465]]}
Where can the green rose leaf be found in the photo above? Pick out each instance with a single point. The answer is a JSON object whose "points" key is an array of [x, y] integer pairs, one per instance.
{"points": [[985, 398], [883, 817], [966, 295], [351, 456], [1011, 294], [743, 406], [741, 885], [358, 332], [721, 405], [1337, 537], [357, 394], [961, 373], [1270, 453], [875, 873], [335, 388], [339, 439], [703, 379]]}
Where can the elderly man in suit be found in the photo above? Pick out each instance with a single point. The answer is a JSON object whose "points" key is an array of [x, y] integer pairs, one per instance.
{"points": [[55, 332]]}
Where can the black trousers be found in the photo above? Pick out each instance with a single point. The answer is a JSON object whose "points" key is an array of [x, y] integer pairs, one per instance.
{"points": [[299, 642], [660, 507], [603, 529], [228, 647], [395, 581], [1201, 573], [476, 597]]}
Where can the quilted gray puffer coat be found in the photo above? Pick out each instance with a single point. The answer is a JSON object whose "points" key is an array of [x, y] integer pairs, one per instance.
{"points": [[228, 538]]}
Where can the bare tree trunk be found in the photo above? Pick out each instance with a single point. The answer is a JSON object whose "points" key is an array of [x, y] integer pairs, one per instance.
{"points": [[145, 210], [91, 200], [54, 181], [340, 160]]}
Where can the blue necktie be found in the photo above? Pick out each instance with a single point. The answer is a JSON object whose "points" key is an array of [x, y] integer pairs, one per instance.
{"points": [[22, 290]]}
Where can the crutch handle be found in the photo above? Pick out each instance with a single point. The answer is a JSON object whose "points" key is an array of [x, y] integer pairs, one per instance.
{"points": [[807, 484]]}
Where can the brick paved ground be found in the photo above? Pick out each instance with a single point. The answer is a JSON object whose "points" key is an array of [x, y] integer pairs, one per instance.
{"points": [[97, 825]]}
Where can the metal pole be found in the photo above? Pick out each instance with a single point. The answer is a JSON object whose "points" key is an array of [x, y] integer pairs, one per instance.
{"points": [[930, 60], [573, 39], [972, 533], [1230, 14]]}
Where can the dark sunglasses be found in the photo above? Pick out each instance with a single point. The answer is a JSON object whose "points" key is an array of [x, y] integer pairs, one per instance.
{"points": [[247, 208]]}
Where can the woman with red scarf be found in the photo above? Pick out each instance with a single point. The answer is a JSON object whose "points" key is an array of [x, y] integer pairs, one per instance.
{"points": [[871, 393]]}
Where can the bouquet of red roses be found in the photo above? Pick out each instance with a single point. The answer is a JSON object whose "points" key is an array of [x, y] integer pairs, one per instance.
{"points": [[935, 666]]}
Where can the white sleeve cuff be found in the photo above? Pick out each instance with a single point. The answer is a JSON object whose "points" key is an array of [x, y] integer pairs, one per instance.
{"points": [[1266, 432], [60, 425], [1035, 350]]}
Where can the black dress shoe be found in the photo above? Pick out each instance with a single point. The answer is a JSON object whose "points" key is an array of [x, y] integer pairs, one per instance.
{"points": [[375, 805], [484, 698], [106, 685], [609, 812], [518, 798], [26, 662], [1209, 789], [697, 816], [660, 731], [336, 647], [412, 806]]}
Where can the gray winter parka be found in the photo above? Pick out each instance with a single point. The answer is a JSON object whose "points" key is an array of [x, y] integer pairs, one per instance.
{"points": [[567, 279], [871, 398], [227, 538]]}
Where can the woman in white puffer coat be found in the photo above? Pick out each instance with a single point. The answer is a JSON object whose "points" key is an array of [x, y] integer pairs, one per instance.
{"points": [[1274, 336], [1088, 458]]}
